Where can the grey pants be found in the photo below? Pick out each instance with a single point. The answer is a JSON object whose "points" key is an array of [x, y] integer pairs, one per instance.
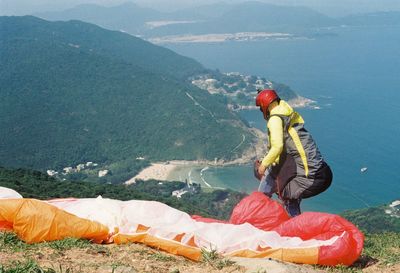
{"points": [[267, 183], [268, 187]]}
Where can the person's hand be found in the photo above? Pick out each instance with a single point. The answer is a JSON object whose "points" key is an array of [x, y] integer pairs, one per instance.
{"points": [[255, 169], [261, 170]]}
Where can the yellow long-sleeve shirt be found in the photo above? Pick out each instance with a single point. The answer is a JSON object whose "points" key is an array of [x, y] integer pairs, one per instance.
{"points": [[275, 128]]}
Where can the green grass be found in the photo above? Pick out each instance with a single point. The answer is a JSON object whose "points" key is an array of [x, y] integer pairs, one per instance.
{"points": [[382, 248], [9, 241], [158, 256], [212, 258], [68, 243], [379, 248], [28, 266], [385, 247]]}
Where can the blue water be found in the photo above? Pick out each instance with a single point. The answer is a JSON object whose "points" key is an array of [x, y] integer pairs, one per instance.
{"points": [[355, 78]]}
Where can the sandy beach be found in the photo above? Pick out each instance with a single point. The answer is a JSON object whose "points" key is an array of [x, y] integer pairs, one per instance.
{"points": [[162, 170], [157, 171]]}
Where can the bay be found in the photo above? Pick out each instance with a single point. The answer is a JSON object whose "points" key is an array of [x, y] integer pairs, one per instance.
{"points": [[355, 78]]}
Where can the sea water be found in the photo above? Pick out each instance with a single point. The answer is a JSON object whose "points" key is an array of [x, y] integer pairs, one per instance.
{"points": [[355, 79]]}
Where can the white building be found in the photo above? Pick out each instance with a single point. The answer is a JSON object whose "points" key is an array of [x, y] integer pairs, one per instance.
{"points": [[68, 170], [179, 193], [103, 173], [394, 209], [51, 172]]}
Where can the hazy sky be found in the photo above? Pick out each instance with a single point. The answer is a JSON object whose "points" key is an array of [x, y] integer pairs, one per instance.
{"points": [[330, 7]]}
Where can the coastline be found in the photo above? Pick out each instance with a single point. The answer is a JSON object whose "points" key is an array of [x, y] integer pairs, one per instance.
{"points": [[158, 171], [163, 171], [298, 102]]}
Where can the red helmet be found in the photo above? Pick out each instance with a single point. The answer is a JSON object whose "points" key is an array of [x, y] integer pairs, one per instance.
{"points": [[264, 99]]}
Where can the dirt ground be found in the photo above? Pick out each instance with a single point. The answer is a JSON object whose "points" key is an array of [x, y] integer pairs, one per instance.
{"points": [[139, 258], [114, 259], [382, 268]]}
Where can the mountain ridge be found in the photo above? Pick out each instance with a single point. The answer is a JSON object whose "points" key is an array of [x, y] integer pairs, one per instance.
{"points": [[250, 16], [103, 104]]}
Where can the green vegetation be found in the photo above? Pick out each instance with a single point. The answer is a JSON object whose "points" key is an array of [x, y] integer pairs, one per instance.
{"points": [[73, 92], [34, 184], [373, 220], [161, 257], [383, 246], [118, 172], [28, 266], [284, 91], [239, 90], [107, 257], [382, 238], [380, 250], [212, 258], [11, 244]]}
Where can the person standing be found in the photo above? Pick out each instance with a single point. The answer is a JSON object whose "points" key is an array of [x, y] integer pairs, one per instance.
{"points": [[293, 167]]}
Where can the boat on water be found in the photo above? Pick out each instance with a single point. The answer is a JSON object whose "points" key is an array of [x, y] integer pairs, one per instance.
{"points": [[364, 169]]}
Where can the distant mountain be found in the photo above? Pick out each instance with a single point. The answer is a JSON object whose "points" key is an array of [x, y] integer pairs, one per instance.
{"points": [[127, 17], [217, 18], [257, 16], [251, 16], [373, 19], [204, 12], [72, 92]]}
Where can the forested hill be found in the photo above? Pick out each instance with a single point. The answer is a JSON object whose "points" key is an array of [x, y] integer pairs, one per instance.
{"points": [[72, 92], [92, 39]]}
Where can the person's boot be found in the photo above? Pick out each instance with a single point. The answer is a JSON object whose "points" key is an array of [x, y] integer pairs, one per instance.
{"points": [[292, 207]]}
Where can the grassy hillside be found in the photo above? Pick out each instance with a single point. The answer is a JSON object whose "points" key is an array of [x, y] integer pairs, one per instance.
{"points": [[72, 92], [381, 250], [80, 256]]}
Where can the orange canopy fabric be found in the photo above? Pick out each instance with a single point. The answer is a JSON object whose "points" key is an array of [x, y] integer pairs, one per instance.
{"points": [[36, 221], [259, 227]]}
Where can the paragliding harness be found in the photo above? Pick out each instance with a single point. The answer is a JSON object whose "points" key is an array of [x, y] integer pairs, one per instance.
{"points": [[285, 160], [300, 161]]}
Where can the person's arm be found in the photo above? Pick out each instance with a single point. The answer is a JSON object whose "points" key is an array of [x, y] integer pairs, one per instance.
{"points": [[275, 127]]}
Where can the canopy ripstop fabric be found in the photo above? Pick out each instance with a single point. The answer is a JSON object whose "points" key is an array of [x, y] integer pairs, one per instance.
{"points": [[259, 227], [8, 193]]}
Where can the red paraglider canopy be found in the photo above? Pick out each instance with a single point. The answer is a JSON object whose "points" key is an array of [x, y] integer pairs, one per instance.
{"points": [[269, 215]]}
